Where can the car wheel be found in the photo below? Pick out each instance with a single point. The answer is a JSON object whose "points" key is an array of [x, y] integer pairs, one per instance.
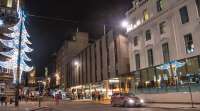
{"points": [[126, 104], [113, 104]]}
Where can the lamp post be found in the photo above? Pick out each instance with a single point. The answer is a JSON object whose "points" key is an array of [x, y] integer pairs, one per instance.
{"points": [[18, 61], [18, 67], [189, 84]]}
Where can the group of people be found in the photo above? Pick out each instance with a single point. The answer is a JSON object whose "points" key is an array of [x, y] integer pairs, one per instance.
{"points": [[5, 100], [58, 97], [97, 96]]}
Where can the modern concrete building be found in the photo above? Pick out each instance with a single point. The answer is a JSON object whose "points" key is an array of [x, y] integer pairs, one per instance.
{"points": [[8, 17], [98, 68], [65, 54], [164, 49]]}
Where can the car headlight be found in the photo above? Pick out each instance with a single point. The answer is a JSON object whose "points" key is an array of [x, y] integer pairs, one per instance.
{"points": [[141, 100], [131, 101]]}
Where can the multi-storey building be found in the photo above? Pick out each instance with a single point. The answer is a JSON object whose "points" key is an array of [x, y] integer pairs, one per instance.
{"points": [[164, 49], [8, 17], [98, 69], [69, 49]]}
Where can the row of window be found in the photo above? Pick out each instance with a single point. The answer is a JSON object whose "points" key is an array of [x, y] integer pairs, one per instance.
{"points": [[160, 6], [162, 28], [183, 11], [189, 47], [4, 70], [88, 64], [162, 25]]}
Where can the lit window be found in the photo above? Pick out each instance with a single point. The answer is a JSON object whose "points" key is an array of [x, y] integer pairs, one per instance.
{"points": [[184, 15], [9, 3], [162, 27], [160, 5], [146, 15], [189, 43], [137, 61], [198, 6], [135, 40], [150, 57], [148, 35], [165, 49]]}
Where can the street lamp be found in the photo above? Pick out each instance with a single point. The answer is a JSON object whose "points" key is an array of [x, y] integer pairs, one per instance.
{"points": [[76, 63], [49, 79], [1, 22], [124, 23], [57, 79]]}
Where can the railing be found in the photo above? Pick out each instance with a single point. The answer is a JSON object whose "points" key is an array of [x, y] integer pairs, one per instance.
{"points": [[4, 70], [168, 89]]}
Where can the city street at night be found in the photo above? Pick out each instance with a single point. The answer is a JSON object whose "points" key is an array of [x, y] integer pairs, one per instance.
{"points": [[99, 55]]}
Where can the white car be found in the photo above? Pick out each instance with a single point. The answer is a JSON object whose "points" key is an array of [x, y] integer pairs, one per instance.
{"points": [[57, 92]]}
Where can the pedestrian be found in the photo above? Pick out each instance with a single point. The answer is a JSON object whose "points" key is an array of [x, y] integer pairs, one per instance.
{"points": [[11, 100], [99, 97], [57, 99], [93, 95], [6, 100], [1, 100]]}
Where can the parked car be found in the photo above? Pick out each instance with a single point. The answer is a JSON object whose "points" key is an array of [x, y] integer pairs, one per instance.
{"points": [[126, 100], [63, 93], [68, 97]]}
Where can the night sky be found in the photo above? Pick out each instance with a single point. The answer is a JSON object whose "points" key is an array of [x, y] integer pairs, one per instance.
{"points": [[49, 31]]}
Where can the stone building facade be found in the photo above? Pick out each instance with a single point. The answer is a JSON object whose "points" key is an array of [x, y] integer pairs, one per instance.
{"points": [[99, 67], [164, 49], [68, 50]]}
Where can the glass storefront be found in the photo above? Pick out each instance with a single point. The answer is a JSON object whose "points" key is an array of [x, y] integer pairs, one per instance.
{"points": [[175, 76], [103, 90]]}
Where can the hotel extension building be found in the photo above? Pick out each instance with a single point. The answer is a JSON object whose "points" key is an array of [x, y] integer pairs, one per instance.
{"points": [[99, 68], [65, 54], [164, 49]]}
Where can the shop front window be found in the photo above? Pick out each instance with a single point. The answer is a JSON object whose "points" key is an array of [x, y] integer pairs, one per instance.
{"points": [[137, 79], [193, 73], [174, 76], [152, 79]]}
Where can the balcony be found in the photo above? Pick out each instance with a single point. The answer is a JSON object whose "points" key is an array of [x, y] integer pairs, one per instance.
{"points": [[5, 76], [164, 36], [137, 48], [149, 42]]}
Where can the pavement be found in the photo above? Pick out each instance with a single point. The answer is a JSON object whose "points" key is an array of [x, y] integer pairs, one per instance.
{"points": [[95, 106], [26, 106], [87, 105]]}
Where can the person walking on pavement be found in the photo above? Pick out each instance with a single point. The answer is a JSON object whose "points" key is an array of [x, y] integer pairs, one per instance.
{"points": [[1, 100], [57, 98], [6, 100]]}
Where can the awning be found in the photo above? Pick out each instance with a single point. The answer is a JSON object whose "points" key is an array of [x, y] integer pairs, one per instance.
{"points": [[175, 64]]}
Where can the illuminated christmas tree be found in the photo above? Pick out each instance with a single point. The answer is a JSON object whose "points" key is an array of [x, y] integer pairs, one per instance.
{"points": [[13, 44]]}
